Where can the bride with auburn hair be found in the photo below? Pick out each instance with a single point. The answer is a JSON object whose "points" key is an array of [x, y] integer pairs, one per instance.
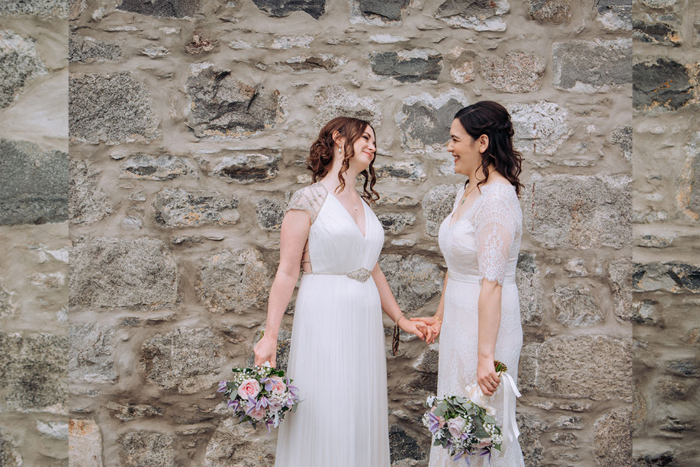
{"points": [[337, 357]]}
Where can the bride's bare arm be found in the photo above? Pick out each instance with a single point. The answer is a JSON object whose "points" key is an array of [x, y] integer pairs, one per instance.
{"points": [[489, 322], [435, 322], [293, 236]]}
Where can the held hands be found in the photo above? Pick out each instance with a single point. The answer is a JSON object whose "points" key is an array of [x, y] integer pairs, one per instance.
{"points": [[419, 329], [486, 376], [266, 351], [433, 325]]}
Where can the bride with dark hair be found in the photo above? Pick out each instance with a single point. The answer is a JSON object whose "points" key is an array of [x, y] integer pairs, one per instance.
{"points": [[478, 317], [337, 357]]}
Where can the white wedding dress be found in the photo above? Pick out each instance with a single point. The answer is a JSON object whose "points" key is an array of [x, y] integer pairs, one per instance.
{"points": [[337, 357], [483, 242]]}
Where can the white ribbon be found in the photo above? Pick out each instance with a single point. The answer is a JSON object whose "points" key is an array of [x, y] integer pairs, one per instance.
{"points": [[510, 425]]}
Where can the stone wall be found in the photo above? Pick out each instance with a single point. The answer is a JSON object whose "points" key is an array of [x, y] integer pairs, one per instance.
{"points": [[666, 240], [33, 233]]}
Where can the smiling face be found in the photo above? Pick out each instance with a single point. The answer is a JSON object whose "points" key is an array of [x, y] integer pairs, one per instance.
{"points": [[465, 149], [364, 150]]}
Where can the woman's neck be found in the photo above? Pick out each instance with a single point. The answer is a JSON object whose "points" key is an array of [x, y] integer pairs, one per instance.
{"points": [[350, 176], [476, 175]]}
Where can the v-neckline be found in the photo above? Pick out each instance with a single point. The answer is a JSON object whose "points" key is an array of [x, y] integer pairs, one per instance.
{"points": [[364, 212], [453, 221]]}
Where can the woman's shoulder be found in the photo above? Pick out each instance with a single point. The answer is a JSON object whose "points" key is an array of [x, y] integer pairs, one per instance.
{"points": [[309, 198]]}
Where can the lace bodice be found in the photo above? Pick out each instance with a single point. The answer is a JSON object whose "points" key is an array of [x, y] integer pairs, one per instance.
{"points": [[485, 241]]}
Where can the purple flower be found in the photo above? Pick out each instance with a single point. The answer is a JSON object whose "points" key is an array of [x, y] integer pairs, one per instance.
{"points": [[223, 386]]}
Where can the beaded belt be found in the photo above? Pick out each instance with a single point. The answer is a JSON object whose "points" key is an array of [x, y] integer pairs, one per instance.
{"points": [[360, 275]]}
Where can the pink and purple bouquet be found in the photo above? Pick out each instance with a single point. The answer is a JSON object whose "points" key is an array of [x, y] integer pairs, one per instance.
{"points": [[260, 395]]}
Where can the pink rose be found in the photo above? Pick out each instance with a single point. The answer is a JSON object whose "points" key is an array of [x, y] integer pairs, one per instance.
{"points": [[257, 414], [275, 406], [486, 442], [249, 387], [455, 426], [278, 386]]}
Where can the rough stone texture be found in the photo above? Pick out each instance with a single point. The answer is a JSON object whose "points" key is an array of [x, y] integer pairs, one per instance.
{"points": [[614, 14], [596, 66], [33, 184], [551, 11], [403, 171], [186, 360], [620, 275], [304, 63], [147, 449], [20, 62], [248, 168], [135, 274], [113, 108], [613, 438], [407, 66], [234, 281], [531, 428], [395, 223], [675, 277], [54, 9], [424, 121], [33, 370], [129, 412], [56, 430], [403, 445], [530, 291], [578, 367], [161, 8], [335, 101], [389, 10], [661, 83], [658, 33], [516, 73], [221, 105], [180, 208], [86, 49], [85, 443], [414, 279], [161, 168], [91, 353], [281, 8], [689, 190], [284, 343], [480, 15], [437, 204], [87, 203], [270, 213], [575, 306], [622, 136], [7, 308], [579, 211], [540, 128], [233, 444], [9, 455]]}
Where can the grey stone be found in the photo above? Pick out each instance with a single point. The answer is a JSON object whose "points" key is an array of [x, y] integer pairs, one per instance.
{"points": [[166, 167], [395, 223], [152, 51], [91, 353], [40, 8], [33, 184], [7, 308], [576, 267], [135, 274], [425, 121], [658, 3], [566, 439], [570, 423], [620, 274], [113, 108], [516, 73], [162, 8], [86, 49], [579, 211], [437, 205], [51, 429], [404, 446], [76, 8], [661, 83], [551, 11], [20, 62], [87, 203], [531, 428], [688, 368], [234, 444], [614, 14], [234, 281], [671, 389], [592, 66], [270, 213], [464, 69], [645, 312], [396, 199], [147, 449], [336, 101], [426, 366], [407, 66], [540, 128], [403, 171], [85, 443], [665, 459], [248, 168], [578, 367], [128, 412], [390, 9], [221, 105], [180, 208], [186, 360], [319, 62], [480, 15], [281, 8], [674, 277], [33, 370], [655, 241], [658, 33], [676, 425], [284, 343], [622, 136], [689, 190], [414, 279], [527, 277], [9, 454], [575, 306], [613, 438]]}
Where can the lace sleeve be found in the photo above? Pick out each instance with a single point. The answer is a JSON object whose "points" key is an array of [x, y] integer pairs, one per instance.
{"points": [[309, 199], [496, 227]]}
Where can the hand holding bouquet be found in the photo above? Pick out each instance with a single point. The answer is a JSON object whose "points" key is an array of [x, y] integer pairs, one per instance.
{"points": [[260, 395]]}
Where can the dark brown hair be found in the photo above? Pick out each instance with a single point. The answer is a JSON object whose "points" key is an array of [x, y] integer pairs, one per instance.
{"points": [[493, 120], [321, 154]]}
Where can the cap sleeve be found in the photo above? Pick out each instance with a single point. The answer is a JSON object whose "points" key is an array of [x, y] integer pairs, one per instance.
{"points": [[309, 199]]}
